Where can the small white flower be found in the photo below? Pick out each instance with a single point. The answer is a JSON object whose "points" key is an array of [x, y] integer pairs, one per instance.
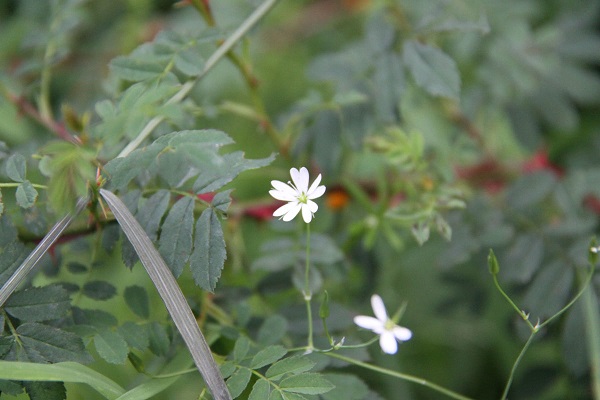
{"points": [[298, 195], [387, 330]]}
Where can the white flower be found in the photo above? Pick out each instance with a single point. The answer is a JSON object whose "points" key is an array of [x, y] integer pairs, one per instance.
{"points": [[298, 195], [387, 330]]}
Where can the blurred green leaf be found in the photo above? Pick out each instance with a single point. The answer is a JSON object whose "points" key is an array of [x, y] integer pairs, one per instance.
{"points": [[267, 356], [136, 298], [16, 167], [135, 335], [26, 195], [99, 290], [306, 383], [237, 382], [241, 347], [272, 330], [290, 365], [432, 69], [347, 387]]}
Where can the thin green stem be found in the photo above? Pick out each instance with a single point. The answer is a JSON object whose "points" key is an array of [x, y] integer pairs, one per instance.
{"points": [[12, 185], [516, 363], [399, 375], [307, 293], [592, 327], [512, 303]]}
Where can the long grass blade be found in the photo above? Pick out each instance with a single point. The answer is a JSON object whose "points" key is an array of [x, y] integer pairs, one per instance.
{"points": [[21, 273], [171, 294]]}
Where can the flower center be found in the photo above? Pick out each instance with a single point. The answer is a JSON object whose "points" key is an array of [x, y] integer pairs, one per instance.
{"points": [[302, 198], [389, 325]]}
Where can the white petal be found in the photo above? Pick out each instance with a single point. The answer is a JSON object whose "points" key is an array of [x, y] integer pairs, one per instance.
{"points": [[318, 192], [314, 184], [312, 206], [388, 344], [379, 308], [401, 333], [300, 178], [370, 323], [306, 213], [283, 187], [284, 209], [283, 196], [293, 212]]}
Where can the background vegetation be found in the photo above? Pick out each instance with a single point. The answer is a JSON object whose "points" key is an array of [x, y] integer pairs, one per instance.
{"points": [[442, 129]]}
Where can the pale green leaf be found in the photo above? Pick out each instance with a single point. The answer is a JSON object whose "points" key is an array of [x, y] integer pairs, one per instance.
{"points": [[306, 383], [135, 335], [347, 387], [134, 69], [260, 390], [16, 167], [26, 195], [267, 356], [237, 382], [241, 347], [136, 298], [111, 346], [208, 257], [290, 365]]}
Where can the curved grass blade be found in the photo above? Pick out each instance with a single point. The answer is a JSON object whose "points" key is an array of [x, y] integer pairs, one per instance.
{"points": [[13, 282], [171, 294], [60, 372]]}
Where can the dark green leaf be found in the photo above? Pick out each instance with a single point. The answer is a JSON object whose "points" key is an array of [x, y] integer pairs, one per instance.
{"points": [[389, 86], [175, 243], [16, 167], [291, 365], [432, 69], [159, 340], [237, 382], [151, 212], [267, 356], [549, 290], [39, 304], [260, 390], [306, 383], [530, 189], [135, 335], [120, 171], [45, 390], [10, 258], [8, 232], [137, 300], [208, 257], [111, 346], [523, 258], [10, 388], [26, 195], [97, 318], [241, 347], [272, 330], [99, 290], [77, 268], [53, 344]]}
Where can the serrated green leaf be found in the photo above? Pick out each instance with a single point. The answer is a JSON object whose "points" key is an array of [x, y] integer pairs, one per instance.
{"points": [[99, 290], [208, 258], [10, 257], [267, 356], [272, 330], [222, 200], [280, 395], [238, 381], [10, 388], [151, 212], [134, 69], [39, 303], [77, 268], [16, 167], [8, 232], [432, 69], [306, 383], [120, 171], [135, 335], [234, 163], [136, 298], [227, 369], [111, 346], [290, 365], [260, 390], [45, 390], [53, 344], [175, 243], [347, 387], [26, 195], [241, 347]]}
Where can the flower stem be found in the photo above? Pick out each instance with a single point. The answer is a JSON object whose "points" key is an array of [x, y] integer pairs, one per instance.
{"points": [[307, 293], [516, 364], [406, 377]]}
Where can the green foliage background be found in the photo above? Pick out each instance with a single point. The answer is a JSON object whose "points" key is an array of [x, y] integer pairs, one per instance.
{"points": [[442, 129]]}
